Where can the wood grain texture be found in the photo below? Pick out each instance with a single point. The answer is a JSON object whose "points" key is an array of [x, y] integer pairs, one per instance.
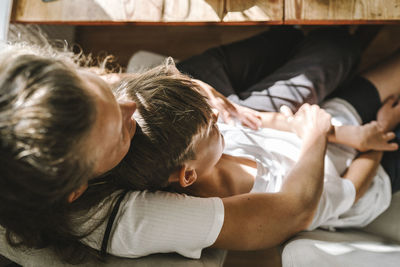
{"points": [[303, 10], [253, 10], [147, 10]]}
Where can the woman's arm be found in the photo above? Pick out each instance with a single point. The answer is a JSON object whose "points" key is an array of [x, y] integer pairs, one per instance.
{"points": [[255, 221]]}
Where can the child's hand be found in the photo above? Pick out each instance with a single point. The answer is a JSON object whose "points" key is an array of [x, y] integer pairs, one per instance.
{"points": [[373, 137], [388, 115], [228, 110]]}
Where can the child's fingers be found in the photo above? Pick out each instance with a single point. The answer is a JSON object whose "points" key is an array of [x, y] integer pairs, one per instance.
{"points": [[389, 136], [391, 147], [251, 119], [285, 110], [226, 117]]}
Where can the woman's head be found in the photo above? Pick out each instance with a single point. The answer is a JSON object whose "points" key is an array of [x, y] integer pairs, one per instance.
{"points": [[45, 115], [172, 117], [59, 127], [112, 130]]}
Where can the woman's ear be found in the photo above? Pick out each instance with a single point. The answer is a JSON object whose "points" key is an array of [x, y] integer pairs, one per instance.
{"points": [[186, 176], [77, 193]]}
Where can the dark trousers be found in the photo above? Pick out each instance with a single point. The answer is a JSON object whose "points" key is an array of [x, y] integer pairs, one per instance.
{"points": [[278, 67]]}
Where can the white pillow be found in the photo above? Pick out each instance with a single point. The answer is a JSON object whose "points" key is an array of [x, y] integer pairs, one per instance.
{"points": [[388, 223]]}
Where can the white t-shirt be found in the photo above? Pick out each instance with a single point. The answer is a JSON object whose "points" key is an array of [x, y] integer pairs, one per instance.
{"points": [[161, 222], [276, 152]]}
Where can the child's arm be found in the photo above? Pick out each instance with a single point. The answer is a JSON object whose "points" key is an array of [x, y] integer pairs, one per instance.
{"points": [[370, 136], [362, 170], [276, 120], [373, 135]]}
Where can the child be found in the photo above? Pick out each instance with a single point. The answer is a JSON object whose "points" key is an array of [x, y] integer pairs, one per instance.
{"points": [[179, 146]]}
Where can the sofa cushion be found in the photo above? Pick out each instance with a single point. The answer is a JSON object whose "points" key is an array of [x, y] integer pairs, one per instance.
{"points": [[378, 244], [353, 248], [388, 223]]}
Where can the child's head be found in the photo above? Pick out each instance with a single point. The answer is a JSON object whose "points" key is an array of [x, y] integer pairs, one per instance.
{"points": [[176, 128]]}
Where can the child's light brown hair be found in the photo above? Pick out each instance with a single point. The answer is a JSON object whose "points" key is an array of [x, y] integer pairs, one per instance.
{"points": [[172, 114]]}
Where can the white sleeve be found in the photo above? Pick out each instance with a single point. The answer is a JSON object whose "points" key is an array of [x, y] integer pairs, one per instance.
{"points": [[337, 197], [162, 222]]}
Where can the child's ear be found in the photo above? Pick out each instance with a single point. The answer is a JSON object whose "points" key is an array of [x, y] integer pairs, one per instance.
{"points": [[185, 175]]}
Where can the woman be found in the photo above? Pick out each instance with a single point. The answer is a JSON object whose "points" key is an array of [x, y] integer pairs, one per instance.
{"points": [[61, 129]]}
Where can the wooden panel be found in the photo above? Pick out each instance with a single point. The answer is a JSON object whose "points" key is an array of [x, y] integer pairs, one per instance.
{"points": [[254, 10], [368, 10], [147, 11]]}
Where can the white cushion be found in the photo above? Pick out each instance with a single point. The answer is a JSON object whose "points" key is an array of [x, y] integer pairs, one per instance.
{"points": [[376, 245], [144, 60], [388, 223], [343, 248]]}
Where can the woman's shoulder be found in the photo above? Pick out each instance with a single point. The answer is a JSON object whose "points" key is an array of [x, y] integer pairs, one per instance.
{"points": [[145, 215]]}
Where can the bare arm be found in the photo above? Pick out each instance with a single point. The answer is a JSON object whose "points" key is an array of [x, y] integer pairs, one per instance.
{"points": [[275, 120], [255, 221], [374, 135], [362, 171], [370, 136]]}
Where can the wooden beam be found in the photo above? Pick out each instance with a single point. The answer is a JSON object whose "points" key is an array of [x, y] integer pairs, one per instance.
{"points": [[117, 11], [341, 10]]}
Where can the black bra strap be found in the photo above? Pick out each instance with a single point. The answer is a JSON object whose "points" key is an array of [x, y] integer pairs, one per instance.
{"points": [[104, 244]]}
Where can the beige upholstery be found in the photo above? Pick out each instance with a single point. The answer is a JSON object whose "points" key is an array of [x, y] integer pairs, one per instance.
{"points": [[378, 244]]}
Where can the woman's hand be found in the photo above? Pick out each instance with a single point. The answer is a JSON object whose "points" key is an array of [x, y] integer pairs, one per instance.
{"points": [[388, 115], [228, 110], [373, 137], [309, 120]]}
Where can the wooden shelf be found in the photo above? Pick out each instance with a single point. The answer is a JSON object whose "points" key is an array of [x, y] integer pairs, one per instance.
{"points": [[145, 11], [206, 12], [342, 10]]}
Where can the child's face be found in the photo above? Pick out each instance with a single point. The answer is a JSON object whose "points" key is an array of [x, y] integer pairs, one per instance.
{"points": [[209, 148]]}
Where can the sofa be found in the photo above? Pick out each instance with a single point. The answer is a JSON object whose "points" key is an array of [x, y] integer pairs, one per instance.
{"points": [[377, 244]]}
